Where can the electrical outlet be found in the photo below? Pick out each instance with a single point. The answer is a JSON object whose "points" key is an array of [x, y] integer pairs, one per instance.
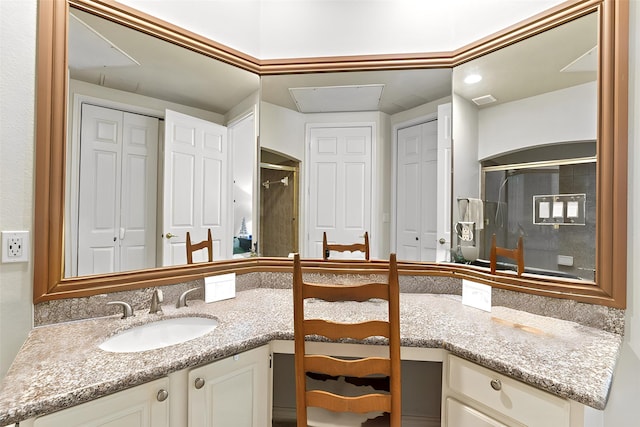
{"points": [[15, 246]]}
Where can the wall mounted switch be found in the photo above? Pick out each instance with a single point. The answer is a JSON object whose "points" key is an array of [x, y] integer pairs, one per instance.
{"points": [[15, 246]]}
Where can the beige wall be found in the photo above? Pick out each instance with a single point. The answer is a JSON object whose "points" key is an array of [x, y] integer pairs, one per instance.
{"points": [[17, 44]]}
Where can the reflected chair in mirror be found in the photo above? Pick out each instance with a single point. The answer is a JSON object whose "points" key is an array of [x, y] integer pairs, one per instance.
{"points": [[516, 254], [352, 370], [194, 247], [354, 247]]}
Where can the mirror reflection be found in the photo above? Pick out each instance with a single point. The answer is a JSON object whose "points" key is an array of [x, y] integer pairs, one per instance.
{"points": [[372, 149], [161, 141], [525, 134]]}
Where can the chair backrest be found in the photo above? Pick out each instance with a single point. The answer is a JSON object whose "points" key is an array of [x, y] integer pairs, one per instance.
{"points": [[322, 364], [516, 254], [362, 247], [193, 247]]}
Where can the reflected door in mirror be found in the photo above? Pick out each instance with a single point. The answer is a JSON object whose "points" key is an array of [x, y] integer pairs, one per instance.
{"points": [[117, 192]]}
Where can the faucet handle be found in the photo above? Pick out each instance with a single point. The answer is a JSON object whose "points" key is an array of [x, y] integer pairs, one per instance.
{"points": [[182, 300], [156, 299], [126, 308]]}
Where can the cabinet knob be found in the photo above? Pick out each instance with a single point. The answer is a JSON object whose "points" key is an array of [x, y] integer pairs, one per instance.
{"points": [[199, 383], [496, 384], [162, 395]]}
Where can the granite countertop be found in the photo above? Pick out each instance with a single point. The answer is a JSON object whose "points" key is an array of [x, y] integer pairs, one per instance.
{"points": [[61, 365]]}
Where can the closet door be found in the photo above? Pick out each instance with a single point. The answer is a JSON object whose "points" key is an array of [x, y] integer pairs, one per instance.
{"points": [[117, 191], [100, 184], [139, 192]]}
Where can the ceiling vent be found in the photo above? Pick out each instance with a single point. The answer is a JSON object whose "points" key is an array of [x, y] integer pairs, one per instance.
{"points": [[484, 100], [333, 99]]}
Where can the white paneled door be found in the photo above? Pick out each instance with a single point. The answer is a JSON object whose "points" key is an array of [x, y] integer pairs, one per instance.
{"points": [[196, 187], [117, 191], [417, 168], [424, 190], [339, 186]]}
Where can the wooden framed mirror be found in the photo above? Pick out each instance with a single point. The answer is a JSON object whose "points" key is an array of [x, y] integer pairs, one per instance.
{"points": [[609, 287]]}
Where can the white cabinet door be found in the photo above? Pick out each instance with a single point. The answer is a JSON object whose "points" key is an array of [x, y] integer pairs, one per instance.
{"points": [[141, 406], [231, 392]]}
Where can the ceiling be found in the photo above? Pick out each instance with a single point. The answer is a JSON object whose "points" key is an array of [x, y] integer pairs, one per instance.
{"points": [[403, 89], [534, 66], [165, 71]]}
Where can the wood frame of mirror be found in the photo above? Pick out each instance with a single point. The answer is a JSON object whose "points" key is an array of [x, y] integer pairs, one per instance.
{"points": [[611, 231]]}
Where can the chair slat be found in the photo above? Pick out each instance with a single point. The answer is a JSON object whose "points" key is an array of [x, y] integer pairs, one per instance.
{"points": [[324, 364], [335, 330], [193, 247], [353, 247], [332, 293], [351, 368], [358, 404]]}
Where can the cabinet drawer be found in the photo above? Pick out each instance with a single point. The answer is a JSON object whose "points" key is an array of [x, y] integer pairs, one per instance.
{"points": [[518, 401], [459, 414]]}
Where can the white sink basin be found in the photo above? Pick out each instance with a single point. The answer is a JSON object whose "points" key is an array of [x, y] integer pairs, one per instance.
{"points": [[162, 333]]}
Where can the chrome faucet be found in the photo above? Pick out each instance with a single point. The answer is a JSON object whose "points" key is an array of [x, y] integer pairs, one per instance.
{"points": [[182, 300], [126, 308], [156, 299]]}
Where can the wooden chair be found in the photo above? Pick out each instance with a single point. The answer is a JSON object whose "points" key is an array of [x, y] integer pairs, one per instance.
{"points": [[359, 368], [515, 254], [362, 247], [193, 247]]}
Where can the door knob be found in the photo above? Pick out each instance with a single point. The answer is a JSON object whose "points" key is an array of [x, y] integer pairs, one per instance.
{"points": [[170, 236], [442, 241]]}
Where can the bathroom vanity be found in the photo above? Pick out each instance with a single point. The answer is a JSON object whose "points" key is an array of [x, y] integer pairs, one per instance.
{"points": [[504, 367]]}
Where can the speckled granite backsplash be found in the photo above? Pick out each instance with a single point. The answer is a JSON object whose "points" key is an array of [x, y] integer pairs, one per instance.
{"points": [[596, 316]]}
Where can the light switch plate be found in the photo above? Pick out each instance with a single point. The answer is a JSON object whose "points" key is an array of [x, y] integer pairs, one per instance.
{"points": [[476, 295], [217, 288]]}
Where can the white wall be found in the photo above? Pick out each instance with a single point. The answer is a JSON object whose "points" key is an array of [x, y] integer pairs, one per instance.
{"points": [[270, 29], [623, 409], [282, 130], [466, 168], [564, 115], [152, 105], [17, 91]]}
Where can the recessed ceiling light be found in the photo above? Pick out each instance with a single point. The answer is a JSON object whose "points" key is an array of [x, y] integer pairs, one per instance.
{"points": [[472, 78]]}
